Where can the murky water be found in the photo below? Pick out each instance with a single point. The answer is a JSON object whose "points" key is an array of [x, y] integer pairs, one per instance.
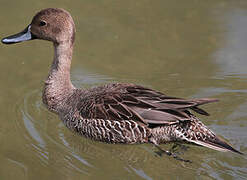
{"points": [[183, 48]]}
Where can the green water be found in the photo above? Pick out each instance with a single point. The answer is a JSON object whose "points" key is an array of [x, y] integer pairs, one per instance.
{"points": [[183, 48]]}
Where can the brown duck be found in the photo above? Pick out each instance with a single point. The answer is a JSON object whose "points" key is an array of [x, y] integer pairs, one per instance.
{"points": [[113, 113]]}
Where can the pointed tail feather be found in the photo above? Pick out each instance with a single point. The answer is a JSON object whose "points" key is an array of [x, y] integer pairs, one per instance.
{"points": [[195, 131], [193, 104], [202, 101], [215, 143], [218, 145]]}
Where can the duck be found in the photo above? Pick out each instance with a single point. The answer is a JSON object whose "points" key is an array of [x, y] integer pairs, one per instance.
{"points": [[123, 113]]}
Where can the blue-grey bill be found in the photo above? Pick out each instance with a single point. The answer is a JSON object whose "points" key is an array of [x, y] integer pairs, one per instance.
{"points": [[25, 35]]}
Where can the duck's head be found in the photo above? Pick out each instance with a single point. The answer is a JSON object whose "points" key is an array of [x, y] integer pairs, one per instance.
{"points": [[50, 24]]}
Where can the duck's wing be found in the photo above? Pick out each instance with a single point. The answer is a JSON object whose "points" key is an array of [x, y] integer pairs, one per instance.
{"points": [[145, 105], [164, 109]]}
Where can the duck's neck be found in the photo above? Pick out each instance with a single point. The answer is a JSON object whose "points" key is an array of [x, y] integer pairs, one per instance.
{"points": [[58, 85]]}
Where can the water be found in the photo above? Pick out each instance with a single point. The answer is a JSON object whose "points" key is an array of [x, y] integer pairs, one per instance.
{"points": [[183, 48]]}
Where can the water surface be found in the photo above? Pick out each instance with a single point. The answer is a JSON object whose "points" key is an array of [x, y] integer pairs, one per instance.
{"points": [[182, 48]]}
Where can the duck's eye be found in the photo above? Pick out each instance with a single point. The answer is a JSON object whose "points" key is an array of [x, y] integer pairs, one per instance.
{"points": [[42, 23]]}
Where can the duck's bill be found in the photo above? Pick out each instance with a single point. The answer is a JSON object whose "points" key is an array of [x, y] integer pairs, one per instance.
{"points": [[25, 35]]}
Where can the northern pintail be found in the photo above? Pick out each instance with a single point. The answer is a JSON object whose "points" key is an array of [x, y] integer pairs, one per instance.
{"points": [[113, 113]]}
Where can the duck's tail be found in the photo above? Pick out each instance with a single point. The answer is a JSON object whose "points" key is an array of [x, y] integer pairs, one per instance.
{"points": [[217, 144], [196, 132]]}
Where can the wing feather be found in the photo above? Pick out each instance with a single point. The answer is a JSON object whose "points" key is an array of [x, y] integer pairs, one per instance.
{"points": [[144, 105]]}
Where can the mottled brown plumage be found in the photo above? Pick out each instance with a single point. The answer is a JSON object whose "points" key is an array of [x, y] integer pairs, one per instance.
{"points": [[113, 113]]}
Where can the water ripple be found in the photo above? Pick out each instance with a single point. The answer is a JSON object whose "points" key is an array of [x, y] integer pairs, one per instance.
{"points": [[34, 127]]}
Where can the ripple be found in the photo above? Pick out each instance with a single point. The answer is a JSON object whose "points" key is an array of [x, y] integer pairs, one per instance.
{"points": [[35, 125]]}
